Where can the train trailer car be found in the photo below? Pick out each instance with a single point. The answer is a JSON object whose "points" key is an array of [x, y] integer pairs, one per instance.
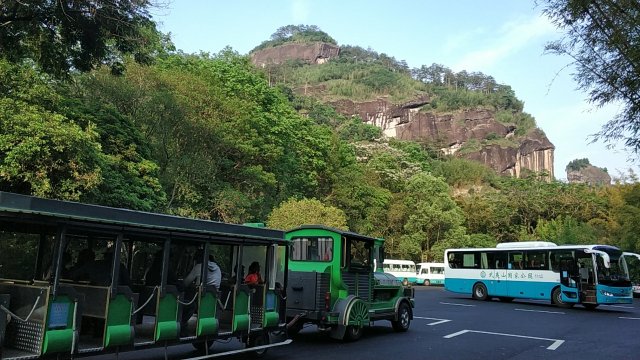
{"points": [[77, 280]]}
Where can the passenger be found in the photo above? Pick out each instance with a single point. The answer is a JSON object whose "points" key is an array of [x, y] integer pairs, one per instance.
{"points": [[214, 274], [328, 253], [253, 277], [213, 278]]}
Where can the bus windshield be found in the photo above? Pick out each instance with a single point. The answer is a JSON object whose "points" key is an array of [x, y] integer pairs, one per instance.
{"points": [[617, 274]]}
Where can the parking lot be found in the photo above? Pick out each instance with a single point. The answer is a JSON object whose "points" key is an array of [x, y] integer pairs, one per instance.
{"points": [[452, 326]]}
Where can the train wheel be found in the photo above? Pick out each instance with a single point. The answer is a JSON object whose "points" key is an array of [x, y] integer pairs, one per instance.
{"points": [[354, 332], [258, 339], [203, 346], [404, 319]]}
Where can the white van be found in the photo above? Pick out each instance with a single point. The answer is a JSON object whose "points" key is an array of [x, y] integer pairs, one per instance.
{"points": [[405, 270], [430, 274]]}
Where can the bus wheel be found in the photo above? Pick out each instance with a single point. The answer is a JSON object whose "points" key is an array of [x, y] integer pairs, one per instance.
{"points": [[556, 299], [203, 346], [480, 292], [404, 319], [258, 339], [353, 333], [426, 283], [405, 281], [590, 306]]}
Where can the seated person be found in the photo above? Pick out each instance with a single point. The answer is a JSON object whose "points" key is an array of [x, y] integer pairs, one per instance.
{"points": [[253, 277]]}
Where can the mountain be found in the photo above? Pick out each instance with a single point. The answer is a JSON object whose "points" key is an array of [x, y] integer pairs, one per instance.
{"points": [[463, 114]]}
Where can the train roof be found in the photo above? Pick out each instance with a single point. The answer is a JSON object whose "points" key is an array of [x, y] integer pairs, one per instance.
{"points": [[13, 205], [345, 233]]}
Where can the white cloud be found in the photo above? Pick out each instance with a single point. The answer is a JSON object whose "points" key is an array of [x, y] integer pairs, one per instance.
{"points": [[512, 37], [300, 10]]}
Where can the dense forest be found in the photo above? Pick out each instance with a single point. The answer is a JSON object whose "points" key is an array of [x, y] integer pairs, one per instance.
{"points": [[144, 126]]}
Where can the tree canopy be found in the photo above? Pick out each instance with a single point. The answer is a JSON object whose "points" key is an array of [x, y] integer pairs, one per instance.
{"points": [[64, 35], [603, 41]]}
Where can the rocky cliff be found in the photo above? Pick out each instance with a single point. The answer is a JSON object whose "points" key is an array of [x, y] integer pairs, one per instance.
{"points": [[472, 134], [311, 53], [589, 174]]}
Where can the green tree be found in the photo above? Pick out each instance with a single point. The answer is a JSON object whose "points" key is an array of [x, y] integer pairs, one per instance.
{"points": [[229, 146], [131, 178], [293, 213], [433, 215], [42, 152], [64, 35], [603, 42]]}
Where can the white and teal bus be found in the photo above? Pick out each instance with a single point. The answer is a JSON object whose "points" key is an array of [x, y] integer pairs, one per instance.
{"points": [[565, 275], [404, 270], [430, 274]]}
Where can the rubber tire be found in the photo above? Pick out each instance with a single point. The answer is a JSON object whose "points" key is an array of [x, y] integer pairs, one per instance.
{"points": [[479, 292], [404, 318], [405, 282], [258, 340], [506, 299], [590, 306], [426, 283], [353, 333], [203, 346], [556, 299]]}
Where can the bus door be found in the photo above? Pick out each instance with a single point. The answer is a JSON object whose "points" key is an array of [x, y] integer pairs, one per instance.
{"points": [[569, 280], [515, 274], [496, 262]]}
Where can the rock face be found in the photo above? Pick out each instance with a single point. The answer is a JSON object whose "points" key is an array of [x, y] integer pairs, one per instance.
{"points": [[589, 174], [311, 53], [497, 145]]}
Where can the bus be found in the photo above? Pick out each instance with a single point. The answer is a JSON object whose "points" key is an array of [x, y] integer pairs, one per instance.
{"points": [[404, 270], [430, 274], [78, 280], [566, 275], [334, 285]]}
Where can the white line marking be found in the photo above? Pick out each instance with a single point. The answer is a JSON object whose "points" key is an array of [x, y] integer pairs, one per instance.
{"points": [[446, 303], [456, 334], [541, 311], [628, 318], [555, 345], [621, 306], [440, 321]]}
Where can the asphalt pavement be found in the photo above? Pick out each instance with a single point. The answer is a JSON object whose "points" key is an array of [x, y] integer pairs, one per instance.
{"points": [[452, 326]]}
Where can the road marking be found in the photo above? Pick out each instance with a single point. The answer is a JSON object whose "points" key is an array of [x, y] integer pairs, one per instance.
{"points": [[621, 306], [555, 345], [440, 321], [628, 318], [446, 303], [541, 311]]}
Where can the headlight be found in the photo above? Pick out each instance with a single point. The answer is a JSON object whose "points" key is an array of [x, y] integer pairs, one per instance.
{"points": [[606, 293]]}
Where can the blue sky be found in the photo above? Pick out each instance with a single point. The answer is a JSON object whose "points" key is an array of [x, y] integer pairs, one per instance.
{"points": [[501, 38]]}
